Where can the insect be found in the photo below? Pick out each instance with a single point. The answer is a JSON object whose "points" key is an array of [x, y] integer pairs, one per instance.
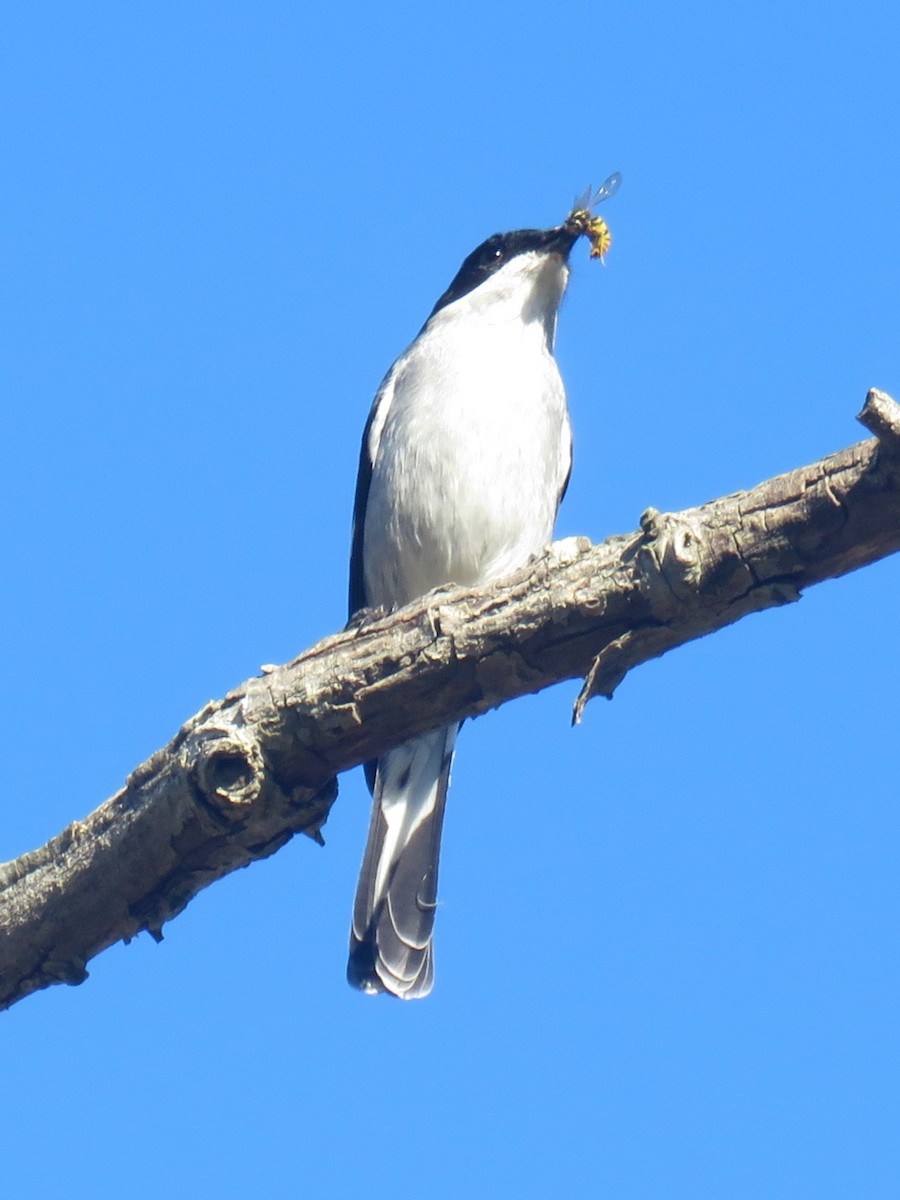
{"points": [[582, 220]]}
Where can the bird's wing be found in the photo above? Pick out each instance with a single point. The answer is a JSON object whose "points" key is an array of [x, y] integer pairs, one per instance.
{"points": [[393, 916], [368, 452], [568, 472]]}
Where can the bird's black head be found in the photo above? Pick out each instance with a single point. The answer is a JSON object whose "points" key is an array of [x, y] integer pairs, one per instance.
{"points": [[500, 249]]}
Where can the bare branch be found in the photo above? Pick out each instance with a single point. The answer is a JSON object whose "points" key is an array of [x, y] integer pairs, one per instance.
{"points": [[251, 770]]}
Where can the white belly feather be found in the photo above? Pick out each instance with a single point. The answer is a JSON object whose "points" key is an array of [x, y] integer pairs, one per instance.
{"points": [[470, 462]]}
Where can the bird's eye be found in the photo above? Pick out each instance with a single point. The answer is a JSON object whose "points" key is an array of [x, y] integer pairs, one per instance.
{"points": [[498, 253]]}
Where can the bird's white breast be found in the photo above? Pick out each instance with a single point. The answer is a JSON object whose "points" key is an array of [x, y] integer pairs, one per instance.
{"points": [[469, 459]]}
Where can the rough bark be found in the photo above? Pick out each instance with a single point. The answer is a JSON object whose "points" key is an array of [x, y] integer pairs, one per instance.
{"points": [[243, 776]]}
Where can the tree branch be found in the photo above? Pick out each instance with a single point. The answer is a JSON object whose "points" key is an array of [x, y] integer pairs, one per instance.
{"points": [[251, 770]]}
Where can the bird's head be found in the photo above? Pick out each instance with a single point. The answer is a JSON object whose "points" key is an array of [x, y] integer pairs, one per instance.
{"points": [[518, 274], [523, 274]]}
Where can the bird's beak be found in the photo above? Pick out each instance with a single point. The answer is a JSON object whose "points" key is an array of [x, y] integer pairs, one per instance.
{"points": [[561, 240]]}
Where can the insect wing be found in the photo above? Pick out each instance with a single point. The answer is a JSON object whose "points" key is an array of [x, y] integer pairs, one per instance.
{"points": [[607, 189], [589, 199]]}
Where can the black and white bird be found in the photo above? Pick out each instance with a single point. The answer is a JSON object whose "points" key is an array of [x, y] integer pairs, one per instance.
{"points": [[465, 458]]}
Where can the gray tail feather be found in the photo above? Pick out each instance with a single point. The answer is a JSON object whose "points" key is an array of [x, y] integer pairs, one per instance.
{"points": [[393, 916]]}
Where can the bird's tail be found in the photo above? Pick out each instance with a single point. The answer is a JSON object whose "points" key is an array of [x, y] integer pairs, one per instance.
{"points": [[393, 915]]}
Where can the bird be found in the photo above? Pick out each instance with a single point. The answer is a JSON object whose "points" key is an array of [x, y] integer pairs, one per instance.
{"points": [[465, 458]]}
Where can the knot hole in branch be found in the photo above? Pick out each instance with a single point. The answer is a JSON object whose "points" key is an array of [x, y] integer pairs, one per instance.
{"points": [[229, 771]]}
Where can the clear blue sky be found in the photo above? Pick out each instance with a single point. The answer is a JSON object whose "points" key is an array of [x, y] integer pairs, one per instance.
{"points": [[668, 946]]}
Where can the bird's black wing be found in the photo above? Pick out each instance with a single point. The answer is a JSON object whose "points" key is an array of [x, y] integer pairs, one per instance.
{"points": [[357, 591], [565, 483], [367, 453]]}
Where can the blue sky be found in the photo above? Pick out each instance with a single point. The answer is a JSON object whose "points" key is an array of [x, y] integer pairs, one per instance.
{"points": [[667, 951]]}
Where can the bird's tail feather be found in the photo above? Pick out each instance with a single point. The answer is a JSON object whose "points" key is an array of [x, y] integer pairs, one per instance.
{"points": [[393, 916]]}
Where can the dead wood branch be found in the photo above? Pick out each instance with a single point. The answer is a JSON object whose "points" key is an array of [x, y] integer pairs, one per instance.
{"points": [[251, 770]]}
